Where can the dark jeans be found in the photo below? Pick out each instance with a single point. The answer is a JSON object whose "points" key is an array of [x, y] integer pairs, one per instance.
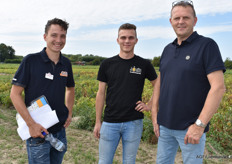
{"points": [[41, 152]]}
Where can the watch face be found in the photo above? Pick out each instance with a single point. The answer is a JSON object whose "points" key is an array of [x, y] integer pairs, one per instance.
{"points": [[198, 122]]}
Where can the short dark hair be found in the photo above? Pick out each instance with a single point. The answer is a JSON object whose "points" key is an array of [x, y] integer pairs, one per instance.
{"points": [[183, 3], [56, 21], [128, 26]]}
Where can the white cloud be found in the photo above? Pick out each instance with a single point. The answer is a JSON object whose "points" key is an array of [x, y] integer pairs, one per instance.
{"points": [[212, 6], [28, 15], [214, 29], [146, 33], [23, 21], [96, 35]]}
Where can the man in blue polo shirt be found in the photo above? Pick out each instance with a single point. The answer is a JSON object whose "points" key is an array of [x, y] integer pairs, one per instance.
{"points": [[188, 91], [50, 74]]}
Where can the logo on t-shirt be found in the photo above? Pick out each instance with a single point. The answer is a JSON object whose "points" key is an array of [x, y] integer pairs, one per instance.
{"points": [[136, 70], [64, 73]]}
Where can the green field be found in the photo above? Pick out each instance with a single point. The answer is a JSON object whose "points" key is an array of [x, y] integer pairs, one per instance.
{"points": [[219, 139]]}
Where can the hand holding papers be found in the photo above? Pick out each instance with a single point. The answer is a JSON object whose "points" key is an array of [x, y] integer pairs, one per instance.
{"points": [[41, 112]]}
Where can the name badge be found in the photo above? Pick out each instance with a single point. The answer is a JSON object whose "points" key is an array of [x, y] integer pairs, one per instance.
{"points": [[49, 76]]}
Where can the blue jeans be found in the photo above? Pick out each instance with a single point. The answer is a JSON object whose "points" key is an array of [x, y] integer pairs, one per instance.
{"points": [[169, 142], [41, 152], [110, 135]]}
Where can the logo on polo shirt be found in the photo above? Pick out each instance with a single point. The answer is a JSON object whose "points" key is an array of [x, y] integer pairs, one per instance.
{"points": [[136, 70], [64, 74], [187, 57]]}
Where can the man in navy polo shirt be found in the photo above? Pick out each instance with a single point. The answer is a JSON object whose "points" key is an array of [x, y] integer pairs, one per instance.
{"points": [[50, 74], [188, 91]]}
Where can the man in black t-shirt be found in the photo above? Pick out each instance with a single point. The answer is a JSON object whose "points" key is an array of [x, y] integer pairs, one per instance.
{"points": [[123, 76]]}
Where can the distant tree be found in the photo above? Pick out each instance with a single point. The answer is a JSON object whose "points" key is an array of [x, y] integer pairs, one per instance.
{"points": [[75, 58], [156, 61], [12, 60], [87, 59], [228, 63], [6, 52], [96, 61], [19, 57], [11, 53]]}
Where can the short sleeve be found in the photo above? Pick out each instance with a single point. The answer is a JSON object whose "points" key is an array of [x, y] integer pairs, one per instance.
{"points": [[70, 82], [212, 58], [150, 72], [101, 72], [22, 75]]}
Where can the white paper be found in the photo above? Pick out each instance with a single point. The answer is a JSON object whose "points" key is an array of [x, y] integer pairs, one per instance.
{"points": [[42, 115]]}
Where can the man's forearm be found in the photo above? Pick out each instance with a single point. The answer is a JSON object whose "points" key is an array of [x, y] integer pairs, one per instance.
{"points": [[211, 104], [18, 102], [100, 99], [155, 101], [214, 97], [69, 98]]}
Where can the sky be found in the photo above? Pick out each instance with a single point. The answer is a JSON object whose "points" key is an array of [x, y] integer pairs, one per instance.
{"points": [[93, 24]]}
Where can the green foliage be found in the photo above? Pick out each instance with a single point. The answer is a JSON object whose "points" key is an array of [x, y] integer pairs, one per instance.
{"points": [[96, 61], [88, 59], [221, 123], [13, 60], [5, 98], [156, 61], [84, 109], [147, 130], [220, 133], [6, 52], [5, 87], [228, 63], [85, 93]]}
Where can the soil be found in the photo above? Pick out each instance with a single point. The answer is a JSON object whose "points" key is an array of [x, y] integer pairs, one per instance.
{"points": [[81, 143]]}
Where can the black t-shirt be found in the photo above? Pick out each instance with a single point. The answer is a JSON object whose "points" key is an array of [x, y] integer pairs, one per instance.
{"points": [[125, 82]]}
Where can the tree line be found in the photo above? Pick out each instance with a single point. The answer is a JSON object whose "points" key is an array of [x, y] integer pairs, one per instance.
{"points": [[7, 55], [227, 62]]}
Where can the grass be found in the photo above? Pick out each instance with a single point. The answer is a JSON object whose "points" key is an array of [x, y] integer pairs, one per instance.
{"points": [[82, 146]]}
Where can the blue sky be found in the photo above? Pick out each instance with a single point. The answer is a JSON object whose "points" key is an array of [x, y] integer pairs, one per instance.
{"points": [[94, 24]]}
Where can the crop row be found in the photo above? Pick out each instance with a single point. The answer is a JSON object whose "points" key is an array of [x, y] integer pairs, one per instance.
{"points": [[85, 92]]}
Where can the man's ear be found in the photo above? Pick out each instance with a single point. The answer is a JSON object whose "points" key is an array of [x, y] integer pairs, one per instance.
{"points": [[45, 36], [195, 21]]}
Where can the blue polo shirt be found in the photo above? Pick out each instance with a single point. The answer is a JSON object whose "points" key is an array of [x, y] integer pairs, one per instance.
{"points": [[184, 83], [35, 75]]}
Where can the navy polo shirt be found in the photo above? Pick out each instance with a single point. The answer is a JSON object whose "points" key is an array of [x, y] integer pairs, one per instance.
{"points": [[184, 83], [31, 75]]}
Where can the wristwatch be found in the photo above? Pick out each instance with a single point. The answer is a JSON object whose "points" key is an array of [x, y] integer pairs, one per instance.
{"points": [[199, 123]]}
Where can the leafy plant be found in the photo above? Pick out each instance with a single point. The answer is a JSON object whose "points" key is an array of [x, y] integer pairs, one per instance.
{"points": [[220, 134]]}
